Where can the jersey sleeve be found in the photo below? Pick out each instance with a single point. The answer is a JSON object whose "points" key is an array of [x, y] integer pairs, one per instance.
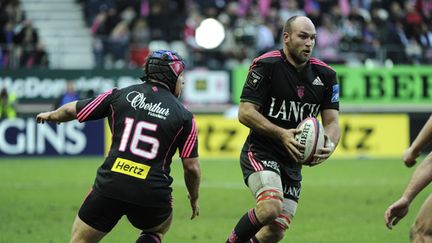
{"points": [[331, 95], [188, 144], [257, 84], [95, 108]]}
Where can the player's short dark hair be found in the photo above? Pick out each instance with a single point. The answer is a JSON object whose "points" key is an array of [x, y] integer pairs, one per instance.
{"points": [[164, 66], [287, 27]]}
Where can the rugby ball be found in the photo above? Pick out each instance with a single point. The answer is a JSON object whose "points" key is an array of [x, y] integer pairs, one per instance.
{"points": [[312, 137]]}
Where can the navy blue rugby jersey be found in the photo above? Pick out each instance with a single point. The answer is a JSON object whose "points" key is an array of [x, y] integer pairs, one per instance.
{"points": [[286, 96], [148, 124]]}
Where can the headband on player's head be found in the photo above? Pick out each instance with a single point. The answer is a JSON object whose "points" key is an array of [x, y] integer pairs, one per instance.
{"points": [[164, 66]]}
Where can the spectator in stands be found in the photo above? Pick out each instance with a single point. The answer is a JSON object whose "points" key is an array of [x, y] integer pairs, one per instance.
{"points": [[425, 40], [14, 12], [140, 39], [265, 39], [101, 29], [396, 41], [413, 51], [371, 43], [290, 8], [40, 56], [118, 43], [329, 41], [8, 103], [6, 43], [26, 38], [69, 96]]}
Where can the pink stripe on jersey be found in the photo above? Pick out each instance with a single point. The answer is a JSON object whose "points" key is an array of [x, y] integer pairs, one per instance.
{"points": [[269, 54], [257, 166], [169, 148], [265, 55], [317, 61], [89, 108], [85, 112], [112, 120], [190, 142]]}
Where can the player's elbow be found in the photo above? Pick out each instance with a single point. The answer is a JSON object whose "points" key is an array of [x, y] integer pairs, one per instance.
{"points": [[69, 110], [191, 166], [245, 114]]}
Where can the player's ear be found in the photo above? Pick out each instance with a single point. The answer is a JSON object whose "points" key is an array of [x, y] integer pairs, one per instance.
{"points": [[285, 37]]}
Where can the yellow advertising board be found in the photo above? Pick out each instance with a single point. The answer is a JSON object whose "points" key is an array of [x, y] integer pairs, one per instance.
{"points": [[362, 136], [220, 137], [373, 135]]}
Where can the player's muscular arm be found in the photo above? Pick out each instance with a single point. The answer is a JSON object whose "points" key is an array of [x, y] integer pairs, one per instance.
{"points": [[66, 112], [192, 177], [330, 119], [250, 116], [420, 179], [423, 138]]}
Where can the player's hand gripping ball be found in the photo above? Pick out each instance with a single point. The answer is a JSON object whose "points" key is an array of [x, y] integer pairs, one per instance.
{"points": [[312, 137]]}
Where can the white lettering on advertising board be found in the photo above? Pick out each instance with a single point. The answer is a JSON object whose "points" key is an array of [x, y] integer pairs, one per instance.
{"points": [[28, 137]]}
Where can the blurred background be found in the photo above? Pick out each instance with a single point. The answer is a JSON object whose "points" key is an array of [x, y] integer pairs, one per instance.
{"points": [[56, 51]]}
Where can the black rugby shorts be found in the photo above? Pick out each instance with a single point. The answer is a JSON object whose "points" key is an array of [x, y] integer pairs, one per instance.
{"points": [[253, 162], [102, 213]]}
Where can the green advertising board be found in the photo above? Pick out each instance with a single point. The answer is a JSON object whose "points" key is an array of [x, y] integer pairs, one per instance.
{"points": [[401, 85]]}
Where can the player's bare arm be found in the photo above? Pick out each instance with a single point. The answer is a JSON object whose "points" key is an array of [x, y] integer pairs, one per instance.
{"points": [[420, 179], [330, 120], [66, 112], [250, 116], [423, 138], [192, 177]]}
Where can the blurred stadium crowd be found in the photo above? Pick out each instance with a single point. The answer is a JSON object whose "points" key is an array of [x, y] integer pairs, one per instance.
{"points": [[351, 32], [20, 46]]}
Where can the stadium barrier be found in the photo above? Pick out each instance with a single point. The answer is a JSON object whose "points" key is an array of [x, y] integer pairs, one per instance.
{"points": [[382, 109]]}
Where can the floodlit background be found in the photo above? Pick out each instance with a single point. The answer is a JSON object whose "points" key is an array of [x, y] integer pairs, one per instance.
{"points": [[54, 51]]}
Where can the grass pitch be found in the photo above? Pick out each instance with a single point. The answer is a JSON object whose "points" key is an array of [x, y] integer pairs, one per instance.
{"points": [[341, 201]]}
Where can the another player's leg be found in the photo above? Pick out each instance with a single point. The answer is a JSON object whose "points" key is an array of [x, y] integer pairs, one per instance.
{"points": [[421, 230], [266, 186]]}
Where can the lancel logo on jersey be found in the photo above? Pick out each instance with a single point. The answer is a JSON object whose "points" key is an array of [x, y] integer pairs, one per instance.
{"points": [[138, 101]]}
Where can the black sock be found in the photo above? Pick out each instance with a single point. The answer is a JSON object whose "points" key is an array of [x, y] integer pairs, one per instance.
{"points": [[245, 229], [254, 240], [148, 238]]}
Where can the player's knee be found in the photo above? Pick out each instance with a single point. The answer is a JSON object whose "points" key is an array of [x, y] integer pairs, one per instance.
{"points": [[149, 238], [268, 211]]}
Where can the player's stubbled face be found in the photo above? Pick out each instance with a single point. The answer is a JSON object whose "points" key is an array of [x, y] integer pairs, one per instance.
{"points": [[301, 42]]}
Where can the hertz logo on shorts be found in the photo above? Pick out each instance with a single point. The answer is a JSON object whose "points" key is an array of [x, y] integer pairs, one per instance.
{"points": [[128, 167]]}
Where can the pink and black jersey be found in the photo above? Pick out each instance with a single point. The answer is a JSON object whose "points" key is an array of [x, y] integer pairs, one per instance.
{"points": [[286, 97], [148, 125]]}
